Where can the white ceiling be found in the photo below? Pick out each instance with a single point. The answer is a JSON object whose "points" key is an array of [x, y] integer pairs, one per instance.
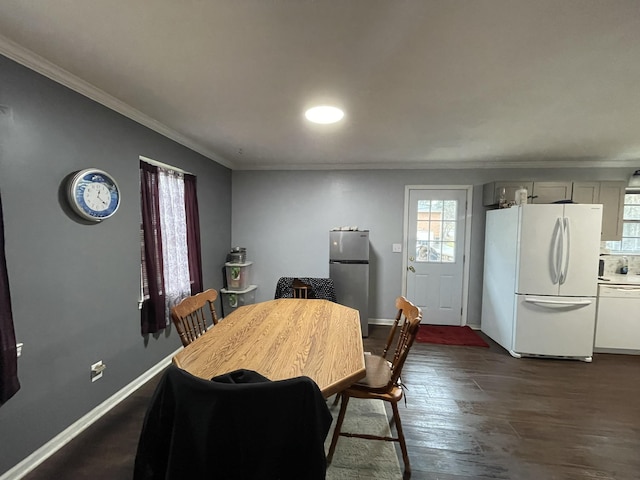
{"points": [[425, 83]]}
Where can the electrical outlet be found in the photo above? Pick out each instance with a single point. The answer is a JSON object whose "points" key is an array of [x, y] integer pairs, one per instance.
{"points": [[96, 370]]}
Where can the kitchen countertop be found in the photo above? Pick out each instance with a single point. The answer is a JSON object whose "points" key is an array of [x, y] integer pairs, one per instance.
{"points": [[618, 279]]}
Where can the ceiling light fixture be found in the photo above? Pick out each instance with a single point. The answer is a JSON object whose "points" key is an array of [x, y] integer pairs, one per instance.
{"points": [[324, 114]]}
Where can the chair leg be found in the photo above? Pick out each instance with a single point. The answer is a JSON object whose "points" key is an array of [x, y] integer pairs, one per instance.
{"points": [[403, 445], [337, 398], [336, 431]]}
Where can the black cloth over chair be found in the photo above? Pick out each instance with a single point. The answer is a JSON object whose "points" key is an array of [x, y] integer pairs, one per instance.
{"points": [[321, 288], [238, 426]]}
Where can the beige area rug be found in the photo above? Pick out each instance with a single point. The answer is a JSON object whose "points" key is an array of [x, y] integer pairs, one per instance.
{"points": [[356, 458]]}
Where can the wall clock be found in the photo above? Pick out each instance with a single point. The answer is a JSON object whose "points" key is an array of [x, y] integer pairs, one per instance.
{"points": [[93, 194]]}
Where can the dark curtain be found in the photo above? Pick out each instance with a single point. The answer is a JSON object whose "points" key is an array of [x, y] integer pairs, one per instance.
{"points": [[193, 233], [153, 315], [9, 383]]}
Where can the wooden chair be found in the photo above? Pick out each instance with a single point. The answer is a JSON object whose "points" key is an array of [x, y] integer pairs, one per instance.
{"points": [[382, 380], [390, 337], [189, 315], [300, 289]]}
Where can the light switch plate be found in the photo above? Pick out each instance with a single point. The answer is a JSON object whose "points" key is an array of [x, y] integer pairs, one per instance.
{"points": [[397, 248], [96, 370]]}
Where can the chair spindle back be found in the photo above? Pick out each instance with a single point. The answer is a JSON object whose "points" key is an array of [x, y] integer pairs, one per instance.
{"points": [[189, 316]]}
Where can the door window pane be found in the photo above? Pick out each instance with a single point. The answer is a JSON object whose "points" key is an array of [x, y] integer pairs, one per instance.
{"points": [[449, 231], [450, 209], [436, 231]]}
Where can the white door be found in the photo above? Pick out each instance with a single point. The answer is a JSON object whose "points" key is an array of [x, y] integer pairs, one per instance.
{"points": [[435, 247]]}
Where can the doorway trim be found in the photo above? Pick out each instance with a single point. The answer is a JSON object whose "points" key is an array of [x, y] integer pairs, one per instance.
{"points": [[467, 238]]}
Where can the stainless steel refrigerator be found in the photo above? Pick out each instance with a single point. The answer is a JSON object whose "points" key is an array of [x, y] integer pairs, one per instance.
{"points": [[349, 270]]}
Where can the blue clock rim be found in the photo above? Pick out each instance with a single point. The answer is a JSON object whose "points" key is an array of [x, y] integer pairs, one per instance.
{"points": [[86, 177]]}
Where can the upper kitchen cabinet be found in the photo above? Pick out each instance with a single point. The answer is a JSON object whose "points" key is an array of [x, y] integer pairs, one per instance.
{"points": [[550, 192], [491, 191], [608, 193], [611, 196], [539, 192], [586, 192]]}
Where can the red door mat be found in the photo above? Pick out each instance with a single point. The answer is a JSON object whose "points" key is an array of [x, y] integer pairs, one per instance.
{"points": [[449, 335]]}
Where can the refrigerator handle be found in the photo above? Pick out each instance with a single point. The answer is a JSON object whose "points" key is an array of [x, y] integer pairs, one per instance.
{"points": [[551, 303], [566, 249], [562, 251], [556, 260]]}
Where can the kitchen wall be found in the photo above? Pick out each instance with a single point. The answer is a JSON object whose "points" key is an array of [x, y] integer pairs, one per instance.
{"points": [[75, 286], [283, 218], [613, 263]]}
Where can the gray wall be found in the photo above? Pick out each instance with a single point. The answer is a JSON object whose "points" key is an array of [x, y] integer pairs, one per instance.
{"points": [[283, 219], [74, 286]]}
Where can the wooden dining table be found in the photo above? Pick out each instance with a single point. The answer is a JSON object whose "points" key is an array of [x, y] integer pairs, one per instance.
{"points": [[282, 339]]}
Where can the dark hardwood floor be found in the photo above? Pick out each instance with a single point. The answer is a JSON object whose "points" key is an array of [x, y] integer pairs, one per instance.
{"points": [[471, 413]]}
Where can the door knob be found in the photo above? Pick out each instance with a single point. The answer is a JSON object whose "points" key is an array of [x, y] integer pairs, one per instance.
{"points": [[411, 259], [410, 268]]}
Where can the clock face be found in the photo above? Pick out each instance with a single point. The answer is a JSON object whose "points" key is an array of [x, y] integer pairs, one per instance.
{"points": [[94, 194]]}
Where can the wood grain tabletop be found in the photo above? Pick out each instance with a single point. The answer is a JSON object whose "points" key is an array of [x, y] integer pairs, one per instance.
{"points": [[283, 339]]}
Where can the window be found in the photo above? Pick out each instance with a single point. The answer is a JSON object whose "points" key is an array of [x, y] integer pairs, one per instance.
{"points": [[631, 225], [170, 264]]}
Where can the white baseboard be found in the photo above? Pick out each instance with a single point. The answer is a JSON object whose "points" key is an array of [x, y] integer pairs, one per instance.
{"points": [[389, 321], [56, 443], [376, 321]]}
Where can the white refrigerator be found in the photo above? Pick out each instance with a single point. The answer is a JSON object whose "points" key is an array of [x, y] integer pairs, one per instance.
{"points": [[540, 279]]}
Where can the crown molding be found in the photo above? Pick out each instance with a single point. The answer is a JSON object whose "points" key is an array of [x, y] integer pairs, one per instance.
{"points": [[451, 165], [44, 67]]}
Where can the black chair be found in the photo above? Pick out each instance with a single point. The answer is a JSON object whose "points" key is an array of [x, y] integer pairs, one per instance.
{"points": [[319, 288], [237, 426]]}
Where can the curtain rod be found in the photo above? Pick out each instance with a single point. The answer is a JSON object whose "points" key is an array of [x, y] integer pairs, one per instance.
{"points": [[163, 165]]}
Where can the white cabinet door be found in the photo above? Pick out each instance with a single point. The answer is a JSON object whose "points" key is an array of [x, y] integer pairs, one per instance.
{"points": [[491, 191], [611, 195], [618, 323], [586, 192], [549, 192], [612, 199]]}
